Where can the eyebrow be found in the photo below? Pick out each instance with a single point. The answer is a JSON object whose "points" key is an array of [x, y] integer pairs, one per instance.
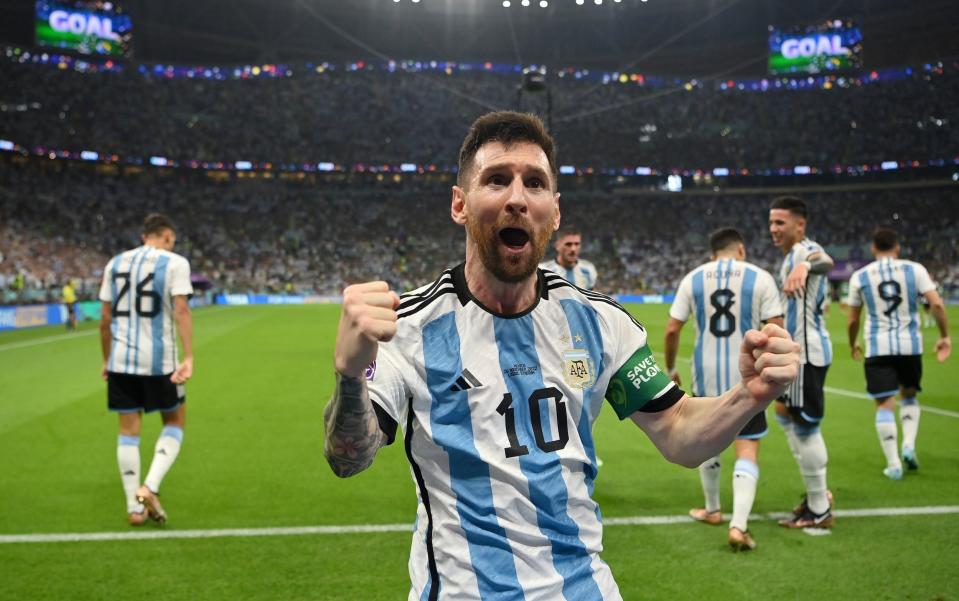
{"points": [[510, 166]]}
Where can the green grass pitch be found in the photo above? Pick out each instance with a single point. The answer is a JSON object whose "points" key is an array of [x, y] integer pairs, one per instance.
{"points": [[252, 458]]}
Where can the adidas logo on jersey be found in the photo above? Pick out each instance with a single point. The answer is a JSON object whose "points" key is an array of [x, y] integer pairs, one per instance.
{"points": [[465, 382]]}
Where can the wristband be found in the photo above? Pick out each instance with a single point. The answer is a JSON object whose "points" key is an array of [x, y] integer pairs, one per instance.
{"points": [[807, 264]]}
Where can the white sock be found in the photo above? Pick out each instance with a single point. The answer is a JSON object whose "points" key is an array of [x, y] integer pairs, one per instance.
{"points": [[812, 464], [909, 416], [745, 478], [790, 430], [709, 476], [167, 448], [888, 437], [128, 459]]}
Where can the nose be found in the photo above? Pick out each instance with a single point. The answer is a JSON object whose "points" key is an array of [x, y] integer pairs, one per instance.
{"points": [[516, 203]]}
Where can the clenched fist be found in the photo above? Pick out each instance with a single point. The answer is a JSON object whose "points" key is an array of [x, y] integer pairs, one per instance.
{"points": [[368, 318], [768, 362]]}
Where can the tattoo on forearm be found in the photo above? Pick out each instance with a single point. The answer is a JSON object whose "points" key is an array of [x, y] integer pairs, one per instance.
{"points": [[353, 433], [820, 263]]}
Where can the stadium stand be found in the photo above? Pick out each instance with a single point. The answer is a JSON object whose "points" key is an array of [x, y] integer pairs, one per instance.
{"points": [[62, 220]]}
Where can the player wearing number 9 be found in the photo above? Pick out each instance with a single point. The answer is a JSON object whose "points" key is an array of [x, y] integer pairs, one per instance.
{"points": [[144, 291], [496, 372], [890, 289]]}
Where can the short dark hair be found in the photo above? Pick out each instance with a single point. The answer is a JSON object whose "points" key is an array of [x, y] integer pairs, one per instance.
{"points": [[885, 239], [507, 128], [155, 223], [567, 230], [791, 204], [724, 237]]}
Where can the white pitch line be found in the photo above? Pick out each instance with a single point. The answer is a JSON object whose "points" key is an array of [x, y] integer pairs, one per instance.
{"points": [[862, 395], [660, 520], [58, 337], [39, 341]]}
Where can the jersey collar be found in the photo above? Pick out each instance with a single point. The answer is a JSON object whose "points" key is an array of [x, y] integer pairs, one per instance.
{"points": [[464, 295]]}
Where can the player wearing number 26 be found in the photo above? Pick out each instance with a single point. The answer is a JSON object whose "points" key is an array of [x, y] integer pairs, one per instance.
{"points": [[496, 373], [890, 289], [144, 291]]}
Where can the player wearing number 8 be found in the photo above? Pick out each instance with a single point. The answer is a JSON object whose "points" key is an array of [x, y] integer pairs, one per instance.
{"points": [[728, 297], [144, 291], [890, 289], [496, 373]]}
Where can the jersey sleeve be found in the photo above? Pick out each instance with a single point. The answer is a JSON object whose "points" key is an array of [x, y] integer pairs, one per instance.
{"points": [[683, 303], [593, 276], [771, 304], [387, 389], [924, 282], [854, 294], [807, 249], [637, 382], [106, 294], [180, 284]]}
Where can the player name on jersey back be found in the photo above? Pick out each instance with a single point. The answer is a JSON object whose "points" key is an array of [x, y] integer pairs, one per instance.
{"points": [[140, 285], [728, 298]]}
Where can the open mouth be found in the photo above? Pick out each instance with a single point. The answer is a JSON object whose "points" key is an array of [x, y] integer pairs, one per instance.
{"points": [[514, 237]]}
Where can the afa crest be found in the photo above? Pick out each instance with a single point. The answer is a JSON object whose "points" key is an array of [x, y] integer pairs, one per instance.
{"points": [[579, 368]]}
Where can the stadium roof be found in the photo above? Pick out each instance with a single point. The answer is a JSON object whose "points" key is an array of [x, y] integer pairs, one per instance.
{"points": [[675, 37]]}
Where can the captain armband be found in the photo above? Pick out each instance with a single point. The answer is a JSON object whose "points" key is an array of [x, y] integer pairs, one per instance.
{"points": [[640, 384]]}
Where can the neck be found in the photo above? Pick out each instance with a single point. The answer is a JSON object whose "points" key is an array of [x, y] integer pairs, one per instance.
{"points": [[788, 247], [885, 255], [561, 261], [499, 297], [723, 256]]}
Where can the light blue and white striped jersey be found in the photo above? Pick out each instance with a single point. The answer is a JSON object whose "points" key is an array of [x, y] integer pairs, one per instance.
{"points": [[583, 274], [890, 290], [804, 316], [140, 285], [497, 413], [728, 298]]}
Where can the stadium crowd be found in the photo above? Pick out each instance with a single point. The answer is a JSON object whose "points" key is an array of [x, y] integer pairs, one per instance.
{"points": [[408, 117], [62, 221]]}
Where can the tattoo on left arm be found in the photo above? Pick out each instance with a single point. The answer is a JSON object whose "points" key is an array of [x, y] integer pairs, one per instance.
{"points": [[353, 434]]}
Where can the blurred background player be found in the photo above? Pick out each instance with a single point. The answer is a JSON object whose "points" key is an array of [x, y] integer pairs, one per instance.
{"points": [[800, 411], [729, 297], [144, 291], [577, 271], [890, 288], [69, 295]]}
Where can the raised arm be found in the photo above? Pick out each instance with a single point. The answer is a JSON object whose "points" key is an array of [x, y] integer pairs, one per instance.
{"points": [[695, 429], [353, 435]]}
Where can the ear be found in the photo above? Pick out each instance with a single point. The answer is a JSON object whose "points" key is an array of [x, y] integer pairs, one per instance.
{"points": [[458, 206], [556, 219]]}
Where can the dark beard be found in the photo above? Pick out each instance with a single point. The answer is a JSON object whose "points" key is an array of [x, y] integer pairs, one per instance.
{"points": [[514, 268]]}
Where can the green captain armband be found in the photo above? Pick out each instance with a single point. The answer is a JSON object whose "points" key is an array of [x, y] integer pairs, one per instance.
{"points": [[636, 383]]}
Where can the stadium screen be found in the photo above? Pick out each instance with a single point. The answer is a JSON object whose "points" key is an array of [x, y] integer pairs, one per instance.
{"points": [[830, 46], [87, 27]]}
